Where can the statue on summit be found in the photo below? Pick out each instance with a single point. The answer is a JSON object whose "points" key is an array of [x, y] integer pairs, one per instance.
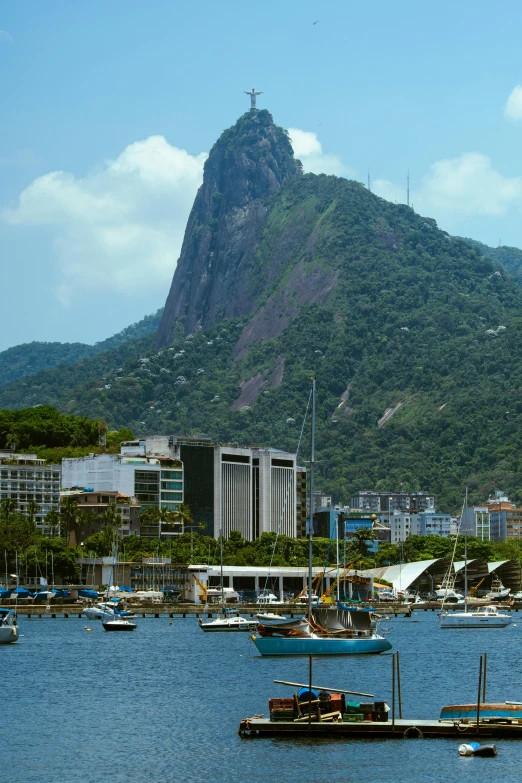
{"points": [[253, 94]]}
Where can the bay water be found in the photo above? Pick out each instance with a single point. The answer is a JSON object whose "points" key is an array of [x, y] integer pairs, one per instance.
{"points": [[163, 704]]}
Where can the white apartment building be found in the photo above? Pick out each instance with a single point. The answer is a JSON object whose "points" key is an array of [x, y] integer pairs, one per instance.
{"points": [[25, 478], [152, 481], [476, 521], [402, 525]]}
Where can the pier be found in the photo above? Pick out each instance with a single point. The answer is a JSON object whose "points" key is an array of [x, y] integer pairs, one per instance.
{"points": [[398, 729]]}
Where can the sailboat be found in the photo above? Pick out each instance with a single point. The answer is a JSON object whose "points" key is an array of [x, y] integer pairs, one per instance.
{"points": [[324, 631], [231, 620], [483, 616], [112, 622]]}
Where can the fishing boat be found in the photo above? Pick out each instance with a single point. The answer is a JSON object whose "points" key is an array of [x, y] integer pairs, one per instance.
{"points": [[9, 632], [325, 631]]}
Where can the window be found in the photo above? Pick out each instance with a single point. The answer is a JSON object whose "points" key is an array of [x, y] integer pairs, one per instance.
{"points": [[172, 496], [172, 485], [171, 474]]}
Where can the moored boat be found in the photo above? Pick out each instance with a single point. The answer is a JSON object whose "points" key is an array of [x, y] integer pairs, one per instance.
{"points": [[508, 710], [483, 617], [229, 622], [9, 632], [118, 625]]}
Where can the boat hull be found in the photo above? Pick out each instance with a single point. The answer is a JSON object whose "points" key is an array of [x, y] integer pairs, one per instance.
{"points": [[119, 625], [487, 711], [9, 634], [463, 620], [278, 645], [227, 629]]}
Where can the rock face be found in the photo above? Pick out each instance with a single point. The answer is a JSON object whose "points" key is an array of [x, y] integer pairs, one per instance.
{"points": [[246, 166]]}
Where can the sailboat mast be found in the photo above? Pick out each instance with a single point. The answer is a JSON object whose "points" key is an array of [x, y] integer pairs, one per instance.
{"points": [[221, 569], [465, 550], [311, 520]]}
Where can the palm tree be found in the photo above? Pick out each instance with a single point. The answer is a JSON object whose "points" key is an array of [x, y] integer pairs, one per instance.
{"points": [[32, 510], [52, 520], [184, 515], [358, 548], [69, 512], [7, 507]]}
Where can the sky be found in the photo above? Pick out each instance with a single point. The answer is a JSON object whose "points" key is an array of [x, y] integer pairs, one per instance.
{"points": [[108, 111]]}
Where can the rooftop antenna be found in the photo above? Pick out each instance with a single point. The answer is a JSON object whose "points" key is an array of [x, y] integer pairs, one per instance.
{"points": [[500, 243], [369, 180], [408, 189]]}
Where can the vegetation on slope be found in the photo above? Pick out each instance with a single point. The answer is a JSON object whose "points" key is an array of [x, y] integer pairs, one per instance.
{"points": [[29, 358], [509, 258]]}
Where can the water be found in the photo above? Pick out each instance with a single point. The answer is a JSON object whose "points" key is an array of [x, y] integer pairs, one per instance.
{"points": [[163, 704]]}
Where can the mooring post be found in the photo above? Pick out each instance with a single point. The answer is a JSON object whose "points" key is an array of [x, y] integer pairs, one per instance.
{"points": [[399, 694], [393, 692], [479, 694], [310, 680], [484, 678]]}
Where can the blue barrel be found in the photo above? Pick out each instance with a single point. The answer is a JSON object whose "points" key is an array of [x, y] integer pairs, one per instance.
{"points": [[304, 694]]}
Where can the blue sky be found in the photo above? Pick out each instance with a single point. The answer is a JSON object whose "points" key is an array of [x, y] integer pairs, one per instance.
{"points": [[108, 111]]}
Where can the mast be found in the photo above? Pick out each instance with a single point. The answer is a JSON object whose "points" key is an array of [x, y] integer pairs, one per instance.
{"points": [[337, 551], [311, 521], [221, 569], [465, 554]]}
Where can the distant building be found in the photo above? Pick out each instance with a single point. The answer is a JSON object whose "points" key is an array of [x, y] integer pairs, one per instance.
{"points": [[403, 525], [246, 488], [475, 521], [26, 478], [95, 504], [505, 519], [386, 503], [153, 482], [432, 524]]}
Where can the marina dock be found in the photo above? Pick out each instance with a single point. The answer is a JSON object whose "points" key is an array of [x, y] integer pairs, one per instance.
{"points": [[398, 729]]}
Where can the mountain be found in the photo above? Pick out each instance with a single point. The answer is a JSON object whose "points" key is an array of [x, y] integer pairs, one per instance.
{"points": [[29, 358], [509, 258], [216, 275], [414, 336]]}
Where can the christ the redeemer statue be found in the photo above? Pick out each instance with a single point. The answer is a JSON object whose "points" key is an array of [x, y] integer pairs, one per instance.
{"points": [[253, 94]]}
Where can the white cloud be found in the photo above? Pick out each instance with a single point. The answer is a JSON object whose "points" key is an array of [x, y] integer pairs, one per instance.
{"points": [[308, 149], [456, 187], [121, 227], [513, 107]]}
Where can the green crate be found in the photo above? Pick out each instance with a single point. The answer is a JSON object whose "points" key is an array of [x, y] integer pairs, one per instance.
{"points": [[353, 717], [352, 707], [278, 715]]}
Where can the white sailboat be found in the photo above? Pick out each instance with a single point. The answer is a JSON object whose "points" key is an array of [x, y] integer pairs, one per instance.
{"points": [[115, 623], [484, 616]]}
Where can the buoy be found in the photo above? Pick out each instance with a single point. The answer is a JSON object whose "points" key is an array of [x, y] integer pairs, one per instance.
{"points": [[170, 622], [86, 628], [476, 749]]}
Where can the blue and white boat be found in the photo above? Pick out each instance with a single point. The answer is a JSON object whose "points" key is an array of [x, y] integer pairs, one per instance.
{"points": [[321, 645]]}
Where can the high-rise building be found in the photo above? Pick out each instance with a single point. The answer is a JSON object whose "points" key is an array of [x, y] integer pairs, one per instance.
{"points": [[246, 488], [475, 521], [26, 478]]}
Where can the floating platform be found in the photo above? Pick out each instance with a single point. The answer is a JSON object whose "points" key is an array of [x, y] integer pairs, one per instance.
{"points": [[398, 729]]}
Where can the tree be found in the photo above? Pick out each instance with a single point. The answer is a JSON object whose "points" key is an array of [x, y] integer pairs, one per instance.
{"points": [[358, 548], [52, 520], [184, 515], [68, 513], [32, 509], [7, 507]]}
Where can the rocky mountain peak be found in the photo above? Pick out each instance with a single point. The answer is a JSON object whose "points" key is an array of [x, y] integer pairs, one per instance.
{"points": [[248, 163]]}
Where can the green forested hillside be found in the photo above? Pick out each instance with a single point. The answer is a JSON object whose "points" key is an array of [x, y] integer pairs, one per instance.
{"points": [[509, 258], [413, 318], [29, 358]]}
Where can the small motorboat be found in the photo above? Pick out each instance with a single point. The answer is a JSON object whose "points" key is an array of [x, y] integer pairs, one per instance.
{"points": [[489, 712], [269, 618], [118, 625], [268, 599], [476, 749], [106, 612], [230, 622], [9, 632]]}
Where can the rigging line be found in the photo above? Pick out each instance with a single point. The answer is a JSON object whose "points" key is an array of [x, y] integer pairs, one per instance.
{"points": [[288, 491], [448, 575]]}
